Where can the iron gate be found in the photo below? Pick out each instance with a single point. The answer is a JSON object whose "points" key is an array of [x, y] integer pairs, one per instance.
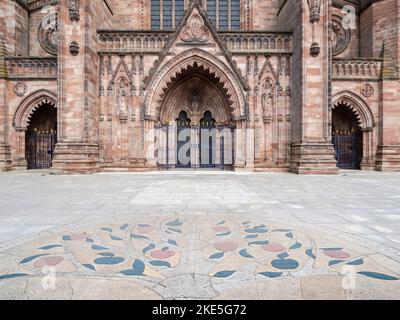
{"points": [[39, 149], [347, 151]]}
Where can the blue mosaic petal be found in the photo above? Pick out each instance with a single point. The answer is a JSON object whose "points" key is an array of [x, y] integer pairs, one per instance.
{"points": [[109, 260], [98, 248], [310, 253], [175, 223], [50, 247], [165, 249], [297, 245], [245, 254], [262, 226], [333, 262], [124, 227], [107, 229], [138, 236], [66, 238], [256, 230], [283, 255], [151, 246], [259, 243], [285, 264], [289, 235], [13, 275], [138, 267], [223, 274], [116, 238], [89, 266], [29, 259], [223, 234], [379, 276], [90, 240], [251, 236], [222, 222], [281, 230], [271, 274], [357, 262], [143, 225], [159, 263], [173, 242], [331, 249], [217, 255]]}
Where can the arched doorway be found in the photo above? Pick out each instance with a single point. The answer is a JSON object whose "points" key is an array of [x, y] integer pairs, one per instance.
{"points": [[208, 139], [196, 106], [347, 137], [183, 154], [41, 137]]}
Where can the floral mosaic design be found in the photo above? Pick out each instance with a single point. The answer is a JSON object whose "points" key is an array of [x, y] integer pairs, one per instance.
{"points": [[156, 249]]}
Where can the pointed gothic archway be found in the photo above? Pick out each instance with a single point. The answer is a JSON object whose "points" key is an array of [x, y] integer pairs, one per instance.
{"points": [[352, 131], [35, 122], [193, 103]]}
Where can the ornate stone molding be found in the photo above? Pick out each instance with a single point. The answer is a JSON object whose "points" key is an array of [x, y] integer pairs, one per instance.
{"points": [[234, 42], [357, 69], [20, 89], [32, 68], [315, 10], [257, 42]]}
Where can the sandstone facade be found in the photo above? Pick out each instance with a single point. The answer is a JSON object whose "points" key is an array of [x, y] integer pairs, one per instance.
{"points": [[303, 86]]}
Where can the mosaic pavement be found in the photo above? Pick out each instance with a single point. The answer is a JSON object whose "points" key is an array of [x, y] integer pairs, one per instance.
{"points": [[195, 257], [200, 235]]}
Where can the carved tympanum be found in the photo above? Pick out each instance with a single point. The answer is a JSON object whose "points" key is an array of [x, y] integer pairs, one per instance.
{"points": [[195, 30]]}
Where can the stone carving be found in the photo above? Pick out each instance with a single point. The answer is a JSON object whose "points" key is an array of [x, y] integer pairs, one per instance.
{"points": [[74, 48], [122, 99], [195, 30], [340, 37], [73, 9], [367, 90], [267, 98], [48, 34], [315, 10], [356, 69], [20, 89]]}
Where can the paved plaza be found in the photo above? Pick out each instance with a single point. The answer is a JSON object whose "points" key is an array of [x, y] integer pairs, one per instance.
{"points": [[199, 235]]}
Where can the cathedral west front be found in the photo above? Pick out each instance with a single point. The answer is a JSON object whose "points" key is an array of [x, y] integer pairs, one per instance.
{"points": [[307, 86]]}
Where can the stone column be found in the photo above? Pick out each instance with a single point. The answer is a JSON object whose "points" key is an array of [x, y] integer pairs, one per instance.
{"points": [[240, 145], [195, 146], [5, 151], [20, 162], [388, 154], [312, 149], [77, 149]]}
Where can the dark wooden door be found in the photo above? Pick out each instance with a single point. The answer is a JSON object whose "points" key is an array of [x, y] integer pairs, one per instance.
{"points": [[40, 148], [347, 148]]}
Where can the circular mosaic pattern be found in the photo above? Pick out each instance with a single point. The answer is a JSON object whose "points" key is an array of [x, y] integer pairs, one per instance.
{"points": [[340, 36], [48, 34], [167, 254]]}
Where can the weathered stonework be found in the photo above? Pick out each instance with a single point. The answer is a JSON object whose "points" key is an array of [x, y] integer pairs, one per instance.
{"points": [[274, 88]]}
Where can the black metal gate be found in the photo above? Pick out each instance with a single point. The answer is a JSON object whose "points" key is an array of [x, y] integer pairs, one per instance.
{"points": [[39, 149], [347, 148]]}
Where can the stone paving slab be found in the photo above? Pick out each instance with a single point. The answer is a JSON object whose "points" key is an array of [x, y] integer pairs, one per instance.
{"points": [[219, 236]]}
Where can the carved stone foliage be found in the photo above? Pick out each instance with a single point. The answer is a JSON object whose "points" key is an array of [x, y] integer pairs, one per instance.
{"points": [[340, 36], [20, 89], [367, 90], [73, 9], [356, 69], [48, 34], [195, 30]]}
